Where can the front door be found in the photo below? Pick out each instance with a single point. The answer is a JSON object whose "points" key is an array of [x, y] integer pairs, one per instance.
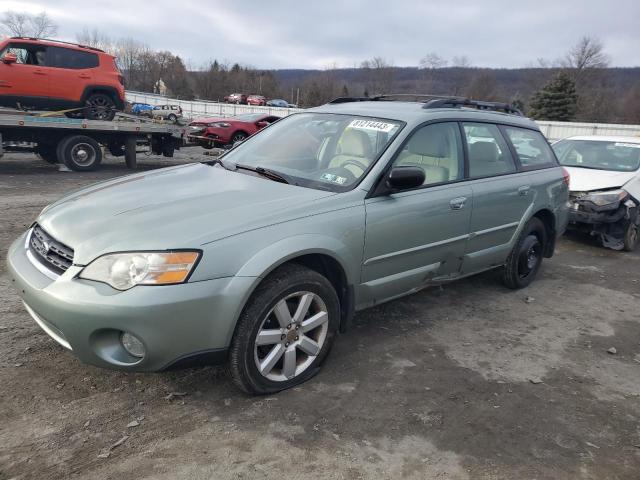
{"points": [[415, 236], [25, 81]]}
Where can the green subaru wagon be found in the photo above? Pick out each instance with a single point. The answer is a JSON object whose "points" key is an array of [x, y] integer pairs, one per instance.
{"points": [[259, 258]]}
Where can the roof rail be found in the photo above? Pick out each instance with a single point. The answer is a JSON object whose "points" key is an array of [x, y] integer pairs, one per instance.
{"points": [[456, 102], [436, 101], [59, 41]]}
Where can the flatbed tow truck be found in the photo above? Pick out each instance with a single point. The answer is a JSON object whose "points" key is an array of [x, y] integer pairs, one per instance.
{"points": [[78, 143]]}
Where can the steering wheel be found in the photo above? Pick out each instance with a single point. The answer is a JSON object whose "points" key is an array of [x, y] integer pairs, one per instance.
{"points": [[357, 163]]}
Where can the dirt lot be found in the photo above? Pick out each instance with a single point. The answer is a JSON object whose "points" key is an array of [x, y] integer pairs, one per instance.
{"points": [[467, 381]]}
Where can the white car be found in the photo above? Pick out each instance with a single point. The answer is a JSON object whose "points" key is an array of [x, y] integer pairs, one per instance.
{"points": [[604, 187], [166, 112]]}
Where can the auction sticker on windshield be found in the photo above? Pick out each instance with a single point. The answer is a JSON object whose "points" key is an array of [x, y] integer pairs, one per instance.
{"points": [[372, 125]]}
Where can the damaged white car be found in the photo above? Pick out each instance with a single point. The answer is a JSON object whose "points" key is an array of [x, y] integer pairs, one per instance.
{"points": [[604, 187]]}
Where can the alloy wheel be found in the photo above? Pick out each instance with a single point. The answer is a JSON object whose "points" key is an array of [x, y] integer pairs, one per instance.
{"points": [[287, 344]]}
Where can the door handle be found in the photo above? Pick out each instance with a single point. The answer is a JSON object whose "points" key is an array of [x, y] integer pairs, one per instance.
{"points": [[457, 203], [84, 75], [39, 72], [524, 190]]}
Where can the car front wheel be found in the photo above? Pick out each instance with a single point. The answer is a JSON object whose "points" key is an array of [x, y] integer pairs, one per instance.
{"points": [[631, 238], [285, 331]]}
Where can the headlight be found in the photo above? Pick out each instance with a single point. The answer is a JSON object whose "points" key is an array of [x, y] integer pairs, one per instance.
{"points": [[602, 199], [125, 270], [220, 125]]}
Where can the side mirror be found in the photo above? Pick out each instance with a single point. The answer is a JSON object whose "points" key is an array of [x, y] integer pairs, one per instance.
{"points": [[9, 58], [262, 124], [404, 178]]}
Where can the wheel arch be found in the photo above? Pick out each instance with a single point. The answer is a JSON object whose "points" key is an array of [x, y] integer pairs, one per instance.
{"points": [[548, 219], [325, 260], [108, 90]]}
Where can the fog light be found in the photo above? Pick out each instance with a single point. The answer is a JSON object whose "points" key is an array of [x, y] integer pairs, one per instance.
{"points": [[132, 345]]}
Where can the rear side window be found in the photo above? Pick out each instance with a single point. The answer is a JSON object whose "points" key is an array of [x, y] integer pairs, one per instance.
{"points": [[489, 154], [532, 149], [60, 57]]}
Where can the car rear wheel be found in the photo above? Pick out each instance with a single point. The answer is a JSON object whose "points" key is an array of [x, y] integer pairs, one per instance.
{"points": [[100, 106], [526, 257], [285, 331], [631, 238], [238, 137], [80, 153], [172, 118]]}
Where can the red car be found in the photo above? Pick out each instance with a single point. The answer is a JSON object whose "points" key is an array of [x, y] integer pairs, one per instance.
{"points": [[52, 75], [239, 98], [217, 132], [257, 100]]}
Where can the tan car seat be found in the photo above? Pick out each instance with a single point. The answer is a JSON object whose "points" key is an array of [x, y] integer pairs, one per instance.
{"points": [[354, 145]]}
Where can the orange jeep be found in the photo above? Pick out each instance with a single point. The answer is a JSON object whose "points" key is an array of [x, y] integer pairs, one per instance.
{"points": [[52, 75]]}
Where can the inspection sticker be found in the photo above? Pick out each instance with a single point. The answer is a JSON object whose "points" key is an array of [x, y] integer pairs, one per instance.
{"points": [[330, 177], [372, 125], [630, 145]]}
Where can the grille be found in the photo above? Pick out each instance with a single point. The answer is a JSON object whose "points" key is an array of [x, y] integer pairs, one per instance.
{"points": [[48, 251]]}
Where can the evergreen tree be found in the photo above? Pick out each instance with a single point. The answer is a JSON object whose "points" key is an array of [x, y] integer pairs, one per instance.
{"points": [[557, 100]]}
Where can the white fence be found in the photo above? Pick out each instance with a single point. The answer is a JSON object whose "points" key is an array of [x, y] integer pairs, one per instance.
{"points": [[202, 108], [552, 130]]}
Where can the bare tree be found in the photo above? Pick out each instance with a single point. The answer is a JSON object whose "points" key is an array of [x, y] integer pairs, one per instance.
{"points": [[587, 53], [461, 61], [97, 39], [23, 24], [42, 26], [377, 75], [432, 61]]}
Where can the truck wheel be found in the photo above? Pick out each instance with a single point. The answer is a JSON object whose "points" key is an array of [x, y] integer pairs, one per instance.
{"points": [[168, 148], [285, 331], [80, 153], [631, 238], [100, 106], [47, 153], [116, 149], [130, 159], [525, 259]]}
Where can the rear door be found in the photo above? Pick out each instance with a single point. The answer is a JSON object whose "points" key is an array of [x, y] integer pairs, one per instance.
{"points": [[27, 80], [501, 196], [417, 235], [71, 73]]}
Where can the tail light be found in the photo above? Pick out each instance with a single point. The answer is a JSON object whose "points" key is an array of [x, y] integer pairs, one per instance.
{"points": [[565, 176], [121, 80]]}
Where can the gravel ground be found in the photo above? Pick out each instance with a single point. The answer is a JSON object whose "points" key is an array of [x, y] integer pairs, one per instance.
{"points": [[468, 381]]}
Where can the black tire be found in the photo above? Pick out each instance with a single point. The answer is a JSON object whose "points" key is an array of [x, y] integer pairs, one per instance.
{"points": [[116, 149], [238, 137], [284, 281], [47, 153], [208, 145], [172, 118], [526, 257], [168, 148], [80, 153], [631, 238], [100, 106], [130, 158]]}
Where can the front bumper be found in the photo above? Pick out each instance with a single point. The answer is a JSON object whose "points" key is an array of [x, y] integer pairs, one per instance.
{"points": [[174, 322]]}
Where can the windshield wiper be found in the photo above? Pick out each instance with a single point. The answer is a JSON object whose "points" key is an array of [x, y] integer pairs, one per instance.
{"points": [[270, 174], [218, 161]]}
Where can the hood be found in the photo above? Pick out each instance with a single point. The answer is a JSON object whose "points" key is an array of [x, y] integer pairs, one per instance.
{"points": [[587, 179], [207, 120], [177, 207]]}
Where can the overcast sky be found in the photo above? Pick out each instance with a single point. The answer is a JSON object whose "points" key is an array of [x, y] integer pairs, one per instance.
{"points": [[318, 34]]}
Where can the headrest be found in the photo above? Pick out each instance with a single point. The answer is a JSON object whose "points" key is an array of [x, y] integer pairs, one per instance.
{"points": [[429, 142], [484, 152], [356, 142]]}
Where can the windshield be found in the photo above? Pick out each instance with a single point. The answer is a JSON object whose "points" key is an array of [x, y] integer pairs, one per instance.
{"points": [[318, 150], [601, 155]]}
